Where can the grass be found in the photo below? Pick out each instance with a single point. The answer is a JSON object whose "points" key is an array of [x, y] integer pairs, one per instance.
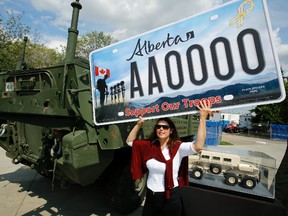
{"points": [[225, 143]]}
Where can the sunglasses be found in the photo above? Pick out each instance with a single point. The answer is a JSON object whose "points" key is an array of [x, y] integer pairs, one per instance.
{"points": [[165, 127]]}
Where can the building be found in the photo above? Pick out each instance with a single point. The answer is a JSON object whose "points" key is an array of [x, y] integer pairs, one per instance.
{"points": [[232, 118], [245, 121]]}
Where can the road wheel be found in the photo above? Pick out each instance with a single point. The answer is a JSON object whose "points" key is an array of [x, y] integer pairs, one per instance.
{"points": [[215, 168], [231, 179], [249, 182], [197, 173]]}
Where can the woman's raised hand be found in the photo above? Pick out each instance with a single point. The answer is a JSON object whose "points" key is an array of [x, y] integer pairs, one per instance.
{"points": [[140, 121], [204, 108]]}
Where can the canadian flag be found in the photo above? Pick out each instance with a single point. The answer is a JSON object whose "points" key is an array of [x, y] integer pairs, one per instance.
{"points": [[101, 71]]}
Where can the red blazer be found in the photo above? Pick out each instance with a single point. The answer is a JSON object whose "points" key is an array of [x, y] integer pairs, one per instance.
{"points": [[143, 150]]}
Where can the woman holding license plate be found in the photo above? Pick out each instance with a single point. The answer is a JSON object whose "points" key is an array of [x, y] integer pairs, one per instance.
{"points": [[164, 158]]}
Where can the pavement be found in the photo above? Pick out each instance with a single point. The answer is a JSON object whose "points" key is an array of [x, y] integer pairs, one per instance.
{"points": [[274, 148], [25, 192]]}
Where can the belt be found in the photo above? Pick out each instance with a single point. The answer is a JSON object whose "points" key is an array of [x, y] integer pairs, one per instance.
{"points": [[162, 192]]}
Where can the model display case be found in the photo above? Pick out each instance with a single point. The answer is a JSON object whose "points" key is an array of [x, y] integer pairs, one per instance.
{"points": [[241, 171]]}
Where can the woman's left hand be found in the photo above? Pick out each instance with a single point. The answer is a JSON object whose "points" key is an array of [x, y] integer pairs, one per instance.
{"points": [[204, 108]]}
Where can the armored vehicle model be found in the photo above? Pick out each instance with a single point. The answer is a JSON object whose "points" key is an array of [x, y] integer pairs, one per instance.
{"points": [[228, 165], [46, 123]]}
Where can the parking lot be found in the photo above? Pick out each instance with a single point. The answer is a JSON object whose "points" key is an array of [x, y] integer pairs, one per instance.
{"points": [[24, 192]]}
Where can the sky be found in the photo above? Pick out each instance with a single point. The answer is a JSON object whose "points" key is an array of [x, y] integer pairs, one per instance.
{"points": [[127, 18], [124, 19]]}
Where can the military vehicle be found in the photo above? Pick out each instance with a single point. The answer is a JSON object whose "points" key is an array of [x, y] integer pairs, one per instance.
{"points": [[47, 124], [228, 165]]}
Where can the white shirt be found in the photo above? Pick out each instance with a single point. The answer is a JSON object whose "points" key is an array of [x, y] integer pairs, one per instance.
{"points": [[156, 176]]}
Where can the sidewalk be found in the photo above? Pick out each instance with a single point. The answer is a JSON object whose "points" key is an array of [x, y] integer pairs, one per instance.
{"points": [[25, 192]]}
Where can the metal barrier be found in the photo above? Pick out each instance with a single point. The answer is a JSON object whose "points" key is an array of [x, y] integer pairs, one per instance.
{"points": [[213, 133], [278, 131]]}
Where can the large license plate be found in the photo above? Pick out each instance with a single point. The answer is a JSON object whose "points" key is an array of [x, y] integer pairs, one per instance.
{"points": [[224, 55]]}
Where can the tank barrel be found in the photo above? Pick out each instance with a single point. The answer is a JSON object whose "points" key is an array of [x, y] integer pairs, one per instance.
{"points": [[73, 33], [21, 63]]}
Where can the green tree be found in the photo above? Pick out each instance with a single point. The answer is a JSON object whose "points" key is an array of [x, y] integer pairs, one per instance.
{"points": [[92, 41], [39, 56], [272, 113], [12, 32]]}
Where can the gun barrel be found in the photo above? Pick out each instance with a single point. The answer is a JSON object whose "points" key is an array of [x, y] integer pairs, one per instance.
{"points": [[73, 33]]}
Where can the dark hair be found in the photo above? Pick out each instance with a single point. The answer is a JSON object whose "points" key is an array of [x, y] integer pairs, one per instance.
{"points": [[174, 137]]}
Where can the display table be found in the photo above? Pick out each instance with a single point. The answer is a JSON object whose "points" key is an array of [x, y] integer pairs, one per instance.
{"points": [[204, 201]]}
